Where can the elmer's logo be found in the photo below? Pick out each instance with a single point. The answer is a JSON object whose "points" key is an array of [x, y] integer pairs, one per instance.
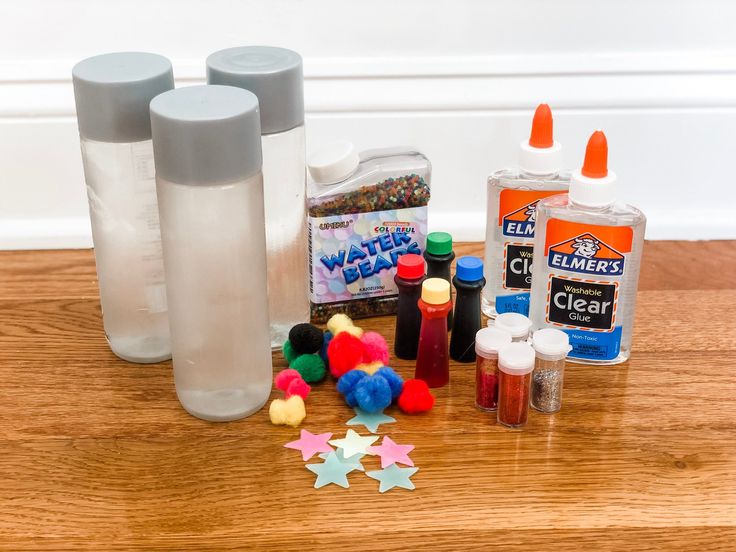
{"points": [[586, 254], [520, 223]]}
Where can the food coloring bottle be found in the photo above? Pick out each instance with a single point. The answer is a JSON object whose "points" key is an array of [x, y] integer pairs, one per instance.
{"points": [[513, 195], [439, 256], [112, 93], [207, 147], [518, 325], [488, 341], [274, 75], [433, 362], [515, 365], [364, 212], [409, 278], [586, 267], [468, 282]]}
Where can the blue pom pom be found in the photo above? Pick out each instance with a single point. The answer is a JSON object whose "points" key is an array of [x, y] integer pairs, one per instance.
{"points": [[323, 351], [394, 380], [373, 393], [347, 383]]}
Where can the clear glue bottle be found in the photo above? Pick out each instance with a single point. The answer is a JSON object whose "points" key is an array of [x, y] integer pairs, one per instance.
{"points": [[409, 278], [587, 255], [207, 146], [275, 76], [433, 362], [112, 93], [513, 195], [468, 282]]}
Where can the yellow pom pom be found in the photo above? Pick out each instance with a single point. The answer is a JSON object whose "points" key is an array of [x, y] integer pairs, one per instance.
{"points": [[370, 367], [353, 330], [287, 412], [338, 322]]}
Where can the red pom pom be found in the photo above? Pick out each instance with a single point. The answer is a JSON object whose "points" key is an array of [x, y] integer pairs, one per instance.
{"points": [[285, 377], [298, 387], [344, 352], [415, 397], [375, 348]]}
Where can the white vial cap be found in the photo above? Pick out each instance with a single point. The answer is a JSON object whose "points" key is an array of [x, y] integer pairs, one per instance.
{"points": [[516, 358], [488, 341], [551, 342], [516, 324], [333, 162]]}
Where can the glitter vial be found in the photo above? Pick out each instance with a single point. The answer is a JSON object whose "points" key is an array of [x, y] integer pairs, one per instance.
{"points": [[207, 146], [487, 343], [516, 324], [275, 76], [551, 347], [515, 366], [112, 93]]}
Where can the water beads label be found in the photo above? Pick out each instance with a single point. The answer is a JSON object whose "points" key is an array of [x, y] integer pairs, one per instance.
{"points": [[355, 256], [586, 265]]}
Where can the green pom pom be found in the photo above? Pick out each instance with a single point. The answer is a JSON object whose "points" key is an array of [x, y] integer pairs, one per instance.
{"points": [[289, 353], [311, 367]]}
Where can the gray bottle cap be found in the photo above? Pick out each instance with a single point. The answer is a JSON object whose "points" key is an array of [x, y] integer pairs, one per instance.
{"points": [[272, 74], [113, 91], [206, 134]]}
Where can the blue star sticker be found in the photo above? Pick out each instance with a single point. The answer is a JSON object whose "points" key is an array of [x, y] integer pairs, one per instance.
{"points": [[370, 421], [353, 461], [393, 476], [331, 471]]}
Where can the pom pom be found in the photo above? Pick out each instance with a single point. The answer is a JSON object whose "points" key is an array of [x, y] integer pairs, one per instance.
{"points": [[287, 412], [375, 348], [289, 353], [344, 352], [346, 385], [298, 387], [338, 322], [325, 344], [370, 367], [306, 339], [352, 330], [372, 394], [284, 378], [415, 397], [310, 367], [394, 380]]}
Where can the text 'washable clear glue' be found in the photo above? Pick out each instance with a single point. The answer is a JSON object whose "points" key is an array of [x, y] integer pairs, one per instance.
{"points": [[513, 195], [587, 255]]}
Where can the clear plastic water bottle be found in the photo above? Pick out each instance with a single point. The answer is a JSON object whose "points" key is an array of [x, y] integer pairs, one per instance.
{"points": [[275, 76], [112, 94], [207, 146]]}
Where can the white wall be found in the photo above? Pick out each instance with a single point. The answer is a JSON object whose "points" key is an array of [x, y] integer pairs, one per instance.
{"points": [[456, 78]]}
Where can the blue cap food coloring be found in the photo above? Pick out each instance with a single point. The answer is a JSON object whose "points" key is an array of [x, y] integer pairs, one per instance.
{"points": [[469, 269]]}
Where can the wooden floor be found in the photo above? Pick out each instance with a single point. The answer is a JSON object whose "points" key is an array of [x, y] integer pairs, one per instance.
{"points": [[96, 453]]}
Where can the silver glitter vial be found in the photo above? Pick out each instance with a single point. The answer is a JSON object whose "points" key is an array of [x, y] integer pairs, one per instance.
{"points": [[551, 347]]}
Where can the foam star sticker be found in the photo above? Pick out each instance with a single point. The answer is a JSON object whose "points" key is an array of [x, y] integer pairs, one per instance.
{"points": [[393, 476], [370, 421], [353, 461], [310, 444], [354, 443], [392, 453], [331, 471]]}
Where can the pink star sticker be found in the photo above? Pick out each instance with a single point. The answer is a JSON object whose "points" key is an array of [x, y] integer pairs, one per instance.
{"points": [[310, 444], [391, 453]]}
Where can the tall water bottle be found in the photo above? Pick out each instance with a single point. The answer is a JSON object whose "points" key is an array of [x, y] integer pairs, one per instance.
{"points": [[207, 146], [274, 75], [112, 93]]}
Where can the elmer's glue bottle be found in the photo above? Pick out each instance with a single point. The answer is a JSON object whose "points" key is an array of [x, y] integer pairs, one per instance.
{"points": [[587, 254], [513, 195]]}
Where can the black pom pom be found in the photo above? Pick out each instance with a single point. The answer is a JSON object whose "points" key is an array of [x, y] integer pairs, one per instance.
{"points": [[306, 339]]}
